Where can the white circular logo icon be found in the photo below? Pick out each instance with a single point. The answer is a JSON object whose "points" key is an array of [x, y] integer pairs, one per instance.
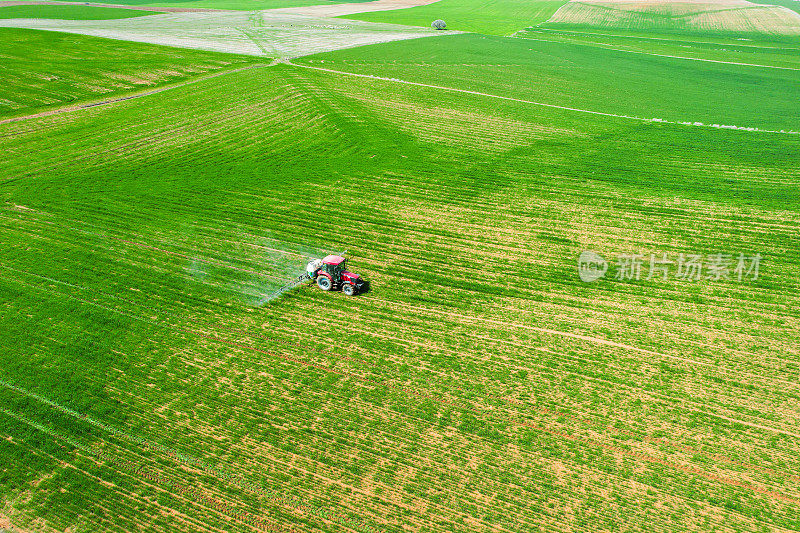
{"points": [[591, 266]]}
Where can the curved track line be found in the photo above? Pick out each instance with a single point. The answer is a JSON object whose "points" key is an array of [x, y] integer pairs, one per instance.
{"points": [[542, 104]]}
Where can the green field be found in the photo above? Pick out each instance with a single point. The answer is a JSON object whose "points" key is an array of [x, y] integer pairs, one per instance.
{"points": [[794, 5], [584, 77], [68, 12], [146, 384], [768, 52], [493, 17], [479, 384], [239, 5], [44, 69], [732, 20]]}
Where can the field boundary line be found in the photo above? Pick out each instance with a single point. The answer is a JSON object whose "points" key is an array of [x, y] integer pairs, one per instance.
{"points": [[150, 92], [604, 47], [543, 104]]}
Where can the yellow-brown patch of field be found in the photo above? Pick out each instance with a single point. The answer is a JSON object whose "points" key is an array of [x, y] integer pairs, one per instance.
{"points": [[708, 15]]}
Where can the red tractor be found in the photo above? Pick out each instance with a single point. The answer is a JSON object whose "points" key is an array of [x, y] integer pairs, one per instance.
{"points": [[331, 273]]}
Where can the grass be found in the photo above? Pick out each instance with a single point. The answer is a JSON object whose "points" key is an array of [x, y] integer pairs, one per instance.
{"points": [[494, 17], [478, 384], [44, 69], [68, 12]]}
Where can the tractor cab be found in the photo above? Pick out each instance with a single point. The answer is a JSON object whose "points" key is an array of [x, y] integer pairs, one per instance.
{"points": [[331, 273], [334, 265]]}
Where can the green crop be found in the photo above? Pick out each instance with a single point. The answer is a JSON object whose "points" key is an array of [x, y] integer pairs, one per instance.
{"points": [[479, 384]]}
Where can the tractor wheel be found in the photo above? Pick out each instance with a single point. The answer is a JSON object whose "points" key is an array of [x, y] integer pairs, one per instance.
{"points": [[349, 290], [324, 283]]}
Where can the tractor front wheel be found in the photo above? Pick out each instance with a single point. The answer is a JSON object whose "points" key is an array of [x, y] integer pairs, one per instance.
{"points": [[324, 283], [349, 290]]}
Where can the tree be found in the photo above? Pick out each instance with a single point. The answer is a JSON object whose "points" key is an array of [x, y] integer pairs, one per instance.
{"points": [[438, 24]]}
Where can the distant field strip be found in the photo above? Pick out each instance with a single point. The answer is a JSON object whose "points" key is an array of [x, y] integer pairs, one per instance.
{"points": [[260, 33], [522, 35], [578, 110], [676, 39], [495, 17], [76, 6], [61, 11], [722, 16]]}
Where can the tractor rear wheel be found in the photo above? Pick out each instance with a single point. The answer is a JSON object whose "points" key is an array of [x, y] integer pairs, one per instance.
{"points": [[324, 283], [349, 290]]}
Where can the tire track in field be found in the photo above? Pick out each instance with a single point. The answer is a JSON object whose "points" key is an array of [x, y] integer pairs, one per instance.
{"points": [[90, 105], [503, 415], [543, 104]]}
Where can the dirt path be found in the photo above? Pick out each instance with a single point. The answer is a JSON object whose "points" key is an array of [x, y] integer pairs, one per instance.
{"points": [[121, 6], [554, 106]]}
